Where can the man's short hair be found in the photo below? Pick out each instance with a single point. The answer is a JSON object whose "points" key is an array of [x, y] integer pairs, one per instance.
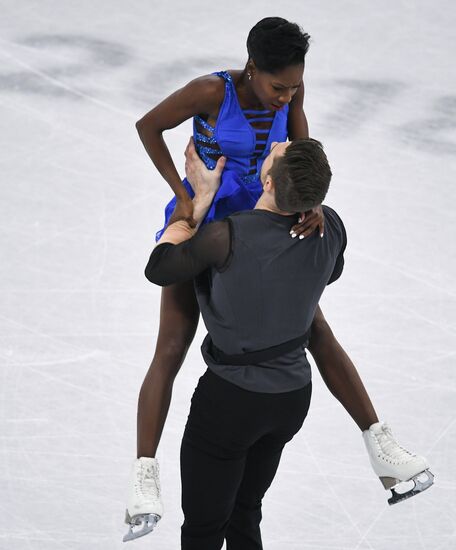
{"points": [[301, 176]]}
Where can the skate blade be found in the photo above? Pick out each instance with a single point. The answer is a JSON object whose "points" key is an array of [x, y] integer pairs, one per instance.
{"points": [[420, 485], [146, 523]]}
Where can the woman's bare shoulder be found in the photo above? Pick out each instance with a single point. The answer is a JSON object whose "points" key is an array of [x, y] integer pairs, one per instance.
{"points": [[201, 96], [210, 87]]}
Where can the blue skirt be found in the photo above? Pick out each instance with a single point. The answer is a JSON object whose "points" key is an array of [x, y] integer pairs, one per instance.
{"points": [[234, 195]]}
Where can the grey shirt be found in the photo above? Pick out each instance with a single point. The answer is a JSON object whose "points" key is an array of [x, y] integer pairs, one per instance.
{"points": [[256, 288]]}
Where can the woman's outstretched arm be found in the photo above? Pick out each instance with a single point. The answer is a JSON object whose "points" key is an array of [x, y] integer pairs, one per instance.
{"points": [[339, 373]]}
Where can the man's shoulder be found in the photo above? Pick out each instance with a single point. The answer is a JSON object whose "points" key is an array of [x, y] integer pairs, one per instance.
{"points": [[334, 224], [332, 217], [331, 213]]}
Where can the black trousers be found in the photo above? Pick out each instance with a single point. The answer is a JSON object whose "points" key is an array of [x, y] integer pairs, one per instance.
{"points": [[230, 452]]}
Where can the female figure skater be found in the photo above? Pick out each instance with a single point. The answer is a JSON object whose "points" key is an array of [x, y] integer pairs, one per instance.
{"points": [[236, 114]]}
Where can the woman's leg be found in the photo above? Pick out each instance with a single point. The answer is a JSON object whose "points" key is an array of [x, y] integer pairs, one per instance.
{"points": [[339, 373], [179, 315]]}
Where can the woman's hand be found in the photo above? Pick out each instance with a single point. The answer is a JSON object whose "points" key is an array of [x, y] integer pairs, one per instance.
{"points": [[308, 222], [183, 211]]}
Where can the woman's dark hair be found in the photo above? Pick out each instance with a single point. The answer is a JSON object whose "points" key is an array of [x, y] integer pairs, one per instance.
{"points": [[301, 176], [274, 43]]}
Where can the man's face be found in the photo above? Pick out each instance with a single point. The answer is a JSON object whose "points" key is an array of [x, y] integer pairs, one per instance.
{"points": [[277, 149]]}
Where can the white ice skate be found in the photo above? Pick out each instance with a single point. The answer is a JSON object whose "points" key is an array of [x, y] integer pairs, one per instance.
{"points": [[394, 465], [145, 507]]}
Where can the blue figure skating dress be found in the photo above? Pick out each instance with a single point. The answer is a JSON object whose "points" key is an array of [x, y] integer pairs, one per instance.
{"points": [[244, 137]]}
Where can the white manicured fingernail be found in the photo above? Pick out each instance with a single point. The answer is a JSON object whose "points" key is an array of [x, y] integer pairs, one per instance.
{"points": [[293, 235], [301, 236]]}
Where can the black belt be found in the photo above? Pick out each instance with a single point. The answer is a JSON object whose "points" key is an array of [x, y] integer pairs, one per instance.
{"points": [[258, 356]]}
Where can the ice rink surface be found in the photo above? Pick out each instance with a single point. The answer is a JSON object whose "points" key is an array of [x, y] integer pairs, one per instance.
{"points": [[80, 204]]}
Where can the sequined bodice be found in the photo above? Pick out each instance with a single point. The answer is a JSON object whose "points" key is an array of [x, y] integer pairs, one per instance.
{"points": [[243, 136]]}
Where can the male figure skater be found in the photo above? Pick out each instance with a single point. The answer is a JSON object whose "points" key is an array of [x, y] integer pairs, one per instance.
{"points": [[258, 291]]}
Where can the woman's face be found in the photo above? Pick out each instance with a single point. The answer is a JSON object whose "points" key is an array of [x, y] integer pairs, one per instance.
{"points": [[276, 90]]}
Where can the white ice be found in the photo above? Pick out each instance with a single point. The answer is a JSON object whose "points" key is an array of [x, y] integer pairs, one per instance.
{"points": [[80, 204]]}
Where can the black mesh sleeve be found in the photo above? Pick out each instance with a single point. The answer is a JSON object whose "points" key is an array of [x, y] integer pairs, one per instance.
{"points": [[174, 263]]}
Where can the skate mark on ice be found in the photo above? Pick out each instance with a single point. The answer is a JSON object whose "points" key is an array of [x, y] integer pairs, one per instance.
{"points": [[67, 56], [418, 528], [95, 354], [32, 75], [333, 492], [361, 100], [93, 50], [441, 435], [55, 379], [72, 348], [371, 526], [402, 271], [63, 130], [75, 228], [163, 78], [436, 134], [416, 314], [104, 396]]}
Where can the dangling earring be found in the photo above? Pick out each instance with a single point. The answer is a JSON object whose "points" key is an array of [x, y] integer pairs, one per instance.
{"points": [[250, 76]]}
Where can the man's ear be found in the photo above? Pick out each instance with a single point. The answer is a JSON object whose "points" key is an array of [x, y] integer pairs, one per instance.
{"points": [[269, 184]]}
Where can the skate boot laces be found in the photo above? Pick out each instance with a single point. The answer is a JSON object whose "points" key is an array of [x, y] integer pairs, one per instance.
{"points": [[147, 481], [388, 446], [144, 508]]}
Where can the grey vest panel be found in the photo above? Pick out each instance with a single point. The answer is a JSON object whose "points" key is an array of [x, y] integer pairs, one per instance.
{"points": [[267, 295]]}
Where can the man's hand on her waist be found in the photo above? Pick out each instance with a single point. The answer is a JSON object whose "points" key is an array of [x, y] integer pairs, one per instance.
{"points": [[204, 182]]}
